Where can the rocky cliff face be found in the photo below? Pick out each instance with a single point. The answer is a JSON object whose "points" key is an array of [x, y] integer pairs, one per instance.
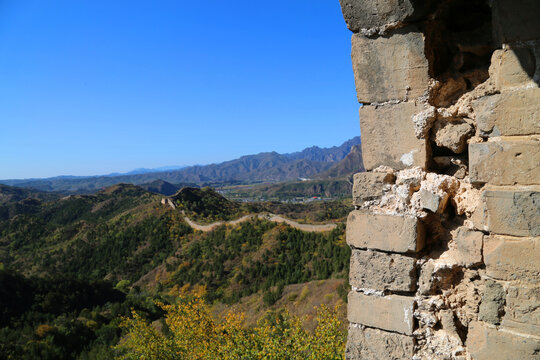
{"points": [[446, 230]]}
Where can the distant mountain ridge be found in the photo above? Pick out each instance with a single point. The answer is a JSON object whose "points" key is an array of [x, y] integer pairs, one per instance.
{"points": [[262, 167], [352, 163]]}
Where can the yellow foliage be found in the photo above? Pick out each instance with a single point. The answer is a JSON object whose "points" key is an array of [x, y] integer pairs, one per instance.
{"points": [[195, 334], [199, 290], [43, 330]]}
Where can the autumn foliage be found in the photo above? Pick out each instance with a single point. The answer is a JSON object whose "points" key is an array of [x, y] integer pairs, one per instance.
{"points": [[191, 332]]}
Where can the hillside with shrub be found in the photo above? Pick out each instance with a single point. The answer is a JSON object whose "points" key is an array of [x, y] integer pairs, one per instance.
{"points": [[121, 248]]}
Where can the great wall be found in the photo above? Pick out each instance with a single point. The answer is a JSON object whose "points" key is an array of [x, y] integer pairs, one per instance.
{"points": [[445, 236]]}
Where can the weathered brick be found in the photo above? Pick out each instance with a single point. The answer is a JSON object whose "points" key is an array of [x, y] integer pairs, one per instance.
{"points": [[522, 311], [510, 113], [392, 312], [487, 343], [382, 271], [465, 248], [374, 344], [515, 20], [512, 258], [513, 66], [511, 211], [492, 304], [468, 246], [385, 232], [505, 162], [390, 67], [369, 186], [388, 136], [367, 14]]}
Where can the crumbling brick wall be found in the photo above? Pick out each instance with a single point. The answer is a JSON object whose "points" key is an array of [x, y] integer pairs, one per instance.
{"points": [[445, 236]]}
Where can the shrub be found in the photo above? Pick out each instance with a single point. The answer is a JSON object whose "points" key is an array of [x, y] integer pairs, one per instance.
{"points": [[193, 333]]}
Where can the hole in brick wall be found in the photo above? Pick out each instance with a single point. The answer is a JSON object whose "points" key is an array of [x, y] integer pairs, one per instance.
{"points": [[447, 278], [444, 161], [462, 329], [458, 47]]}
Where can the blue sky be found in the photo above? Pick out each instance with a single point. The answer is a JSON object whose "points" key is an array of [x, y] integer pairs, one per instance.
{"points": [[97, 86]]}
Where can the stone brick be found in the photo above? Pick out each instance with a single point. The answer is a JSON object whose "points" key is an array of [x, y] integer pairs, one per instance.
{"points": [[368, 14], [512, 211], [392, 313], [522, 311], [425, 278], [390, 67], [505, 162], [512, 67], [488, 343], [433, 202], [382, 271], [452, 135], [388, 136], [374, 344], [369, 186], [467, 247], [385, 232], [492, 305], [515, 20], [511, 258], [510, 113]]}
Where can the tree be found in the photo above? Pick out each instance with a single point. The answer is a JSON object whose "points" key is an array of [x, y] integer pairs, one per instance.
{"points": [[193, 333]]}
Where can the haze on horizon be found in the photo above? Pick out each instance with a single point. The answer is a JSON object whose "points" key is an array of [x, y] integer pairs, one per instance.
{"points": [[96, 87]]}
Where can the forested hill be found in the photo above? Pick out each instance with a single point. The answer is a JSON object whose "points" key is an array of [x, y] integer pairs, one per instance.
{"points": [[268, 167], [122, 248], [12, 194]]}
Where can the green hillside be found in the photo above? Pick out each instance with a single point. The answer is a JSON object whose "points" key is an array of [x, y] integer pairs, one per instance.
{"points": [[122, 248]]}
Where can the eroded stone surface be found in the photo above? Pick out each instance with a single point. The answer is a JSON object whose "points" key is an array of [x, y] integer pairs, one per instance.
{"points": [[512, 258], [380, 124], [392, 313], [378, 14], [368, 186], [384, 232], [510, 113], [452, 135], [390, 67], [488, 343], [478, 274], [513, 66], [465, 249], [492, 305], [522, 310], [374, 344], [382, 271], [505, 162], [511, 211]]}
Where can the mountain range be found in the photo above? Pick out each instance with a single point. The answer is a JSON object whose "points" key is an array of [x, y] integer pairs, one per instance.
{"points": [[269, 167]]}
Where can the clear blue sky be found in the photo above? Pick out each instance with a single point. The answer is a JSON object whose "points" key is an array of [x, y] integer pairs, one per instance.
{"points": [[97, 86]]}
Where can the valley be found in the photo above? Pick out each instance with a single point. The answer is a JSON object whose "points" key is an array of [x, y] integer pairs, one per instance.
{"points": [[122, 248]]}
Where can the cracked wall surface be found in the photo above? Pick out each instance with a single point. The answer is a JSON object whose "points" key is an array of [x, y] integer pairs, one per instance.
{"points": [[445, 234]]}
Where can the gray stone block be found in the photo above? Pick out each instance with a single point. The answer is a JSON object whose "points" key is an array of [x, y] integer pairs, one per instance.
{"points": [[392, 313], [367, 14], [374, 344], [505, 162], [382, 271], [388, 136], [393, 233], [390, 67]]}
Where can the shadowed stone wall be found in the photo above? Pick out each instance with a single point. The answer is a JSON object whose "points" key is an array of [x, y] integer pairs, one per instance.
{"points": [[445, 236]]}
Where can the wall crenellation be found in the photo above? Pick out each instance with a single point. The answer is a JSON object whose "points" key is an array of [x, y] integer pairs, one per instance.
{"points": [[445, 234]]}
